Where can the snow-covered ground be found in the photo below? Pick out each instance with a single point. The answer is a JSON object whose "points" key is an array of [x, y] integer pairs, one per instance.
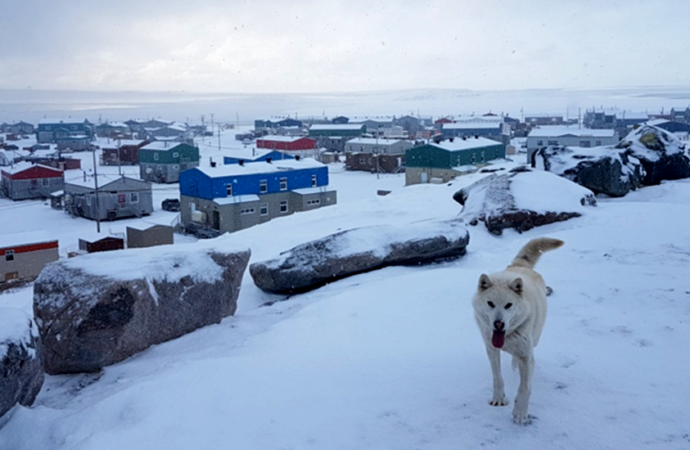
{"points": [[392, 359]]}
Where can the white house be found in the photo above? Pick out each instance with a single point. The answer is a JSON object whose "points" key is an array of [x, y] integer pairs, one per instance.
{"points": [[568, 136]]}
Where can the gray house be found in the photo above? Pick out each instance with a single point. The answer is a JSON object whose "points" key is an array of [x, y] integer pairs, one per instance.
{"points": [[376, 155], [118, 197], [25, 180], [568, 137], [149, 235]]}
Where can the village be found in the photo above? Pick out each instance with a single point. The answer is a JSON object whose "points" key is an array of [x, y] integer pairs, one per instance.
{"points": [[176, 182]]}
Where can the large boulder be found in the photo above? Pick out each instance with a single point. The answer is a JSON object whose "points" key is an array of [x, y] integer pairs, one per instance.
{"points": [[359, 250], [101, 308], [603, 170], [661, 154], [646, 156], [21, 359], [522, 199]]}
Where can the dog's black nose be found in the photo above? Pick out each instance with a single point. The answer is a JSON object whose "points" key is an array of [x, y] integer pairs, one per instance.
{"points": [[499, 326]]}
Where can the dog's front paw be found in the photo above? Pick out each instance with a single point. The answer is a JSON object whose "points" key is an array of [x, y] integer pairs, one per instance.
{"points": [[500, 401], [521, 418]]}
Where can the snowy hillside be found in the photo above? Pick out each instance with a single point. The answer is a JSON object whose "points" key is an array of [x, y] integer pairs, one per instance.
{"points": [[392, 359]]}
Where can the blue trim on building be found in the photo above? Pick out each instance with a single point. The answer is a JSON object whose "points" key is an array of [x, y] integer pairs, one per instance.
{"points": [[274, 155]]}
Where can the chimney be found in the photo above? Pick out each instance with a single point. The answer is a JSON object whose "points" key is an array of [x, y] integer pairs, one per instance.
{"points": [[268, 160], [213, 164], [241, 162], [297, 157]]}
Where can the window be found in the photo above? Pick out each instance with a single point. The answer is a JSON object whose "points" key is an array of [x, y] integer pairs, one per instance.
{"points": [[540, 142], [283, 184], [48, 128], [88, 200], [175, 167], [9, 255], [263, 186], [246, 211], [228, 189], [551, 142], [585, 143], [598, 143], [313, 202], [283, 206], [121, 198], [313, 181], [361, 160], [263, 209], [134, 197], [45, 181], [176, 155], [155, 156]]}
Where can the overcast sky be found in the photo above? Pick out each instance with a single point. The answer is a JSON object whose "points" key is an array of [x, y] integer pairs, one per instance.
{"points": [[303, 46]]}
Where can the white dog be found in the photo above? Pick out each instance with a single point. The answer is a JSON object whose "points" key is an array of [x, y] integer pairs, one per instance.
{"points": [[510, 309]]}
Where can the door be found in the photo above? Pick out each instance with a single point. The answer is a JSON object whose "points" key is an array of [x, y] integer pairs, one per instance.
{"points": [[424, 177], [215, 220]]}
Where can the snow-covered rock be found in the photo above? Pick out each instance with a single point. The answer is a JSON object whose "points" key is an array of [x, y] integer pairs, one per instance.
{"points": [[603, 170], [522, 199], [661, 154], [646, 156], [359, 250], [101, 308], [21, 359]]}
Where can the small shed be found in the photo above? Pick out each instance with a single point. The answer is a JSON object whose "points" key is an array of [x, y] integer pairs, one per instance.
{"points": [[147, 235], [101, 243]]}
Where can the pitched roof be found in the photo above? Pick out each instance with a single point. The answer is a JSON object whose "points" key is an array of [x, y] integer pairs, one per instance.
{"points": [[259, 167]]}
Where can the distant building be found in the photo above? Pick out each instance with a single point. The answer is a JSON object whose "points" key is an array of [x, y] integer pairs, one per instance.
{"points": [[333, 137], [149, 235], [340, 120], [24, 181], [376, 155], [443, 161], [162, 162], [100, 243], [490, 129], [612, 119], [118, 197], [233, 197], [23, 255], [292, 144], [680, 114], [21, 128], [112, 130], [57, 130], [123, 152], [568, 136], [544, 119]]}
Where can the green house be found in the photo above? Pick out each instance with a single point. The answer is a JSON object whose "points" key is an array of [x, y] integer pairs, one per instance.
{"points": [[162, 161], [443, 161]]}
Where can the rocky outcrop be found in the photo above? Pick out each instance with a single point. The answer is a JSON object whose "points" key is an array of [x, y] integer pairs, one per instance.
{"points": [[522, 199], [99, 309], [21, 360], [646, 156], [350, 252], [601, 170]]}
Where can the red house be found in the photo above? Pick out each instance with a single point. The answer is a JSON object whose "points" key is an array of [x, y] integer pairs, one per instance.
{"points": [[124, 152], [286, 143]]}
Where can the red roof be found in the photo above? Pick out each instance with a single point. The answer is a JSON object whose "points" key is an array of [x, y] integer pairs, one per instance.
{"points": [[30, 172]]}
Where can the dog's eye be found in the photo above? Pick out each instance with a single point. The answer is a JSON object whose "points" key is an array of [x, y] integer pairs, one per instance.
{"points": [[508, 305], [491, 304]]}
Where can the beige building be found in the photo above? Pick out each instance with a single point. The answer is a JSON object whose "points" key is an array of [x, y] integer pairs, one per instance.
{"points": [[23, 255]]}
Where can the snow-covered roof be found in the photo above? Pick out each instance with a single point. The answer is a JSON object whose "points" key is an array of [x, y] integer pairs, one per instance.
{"points": [[51, 121], [558, 131], [22, 166], [280, 138], [161, 145], [122, 143], [465, 144], [327, 127], [259, 167], [472, 125], [90, 182], [31, 237], [374, 141]]}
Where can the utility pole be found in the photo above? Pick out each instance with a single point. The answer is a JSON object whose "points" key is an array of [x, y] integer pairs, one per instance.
{"points": [[218, 137], [98, 204]]}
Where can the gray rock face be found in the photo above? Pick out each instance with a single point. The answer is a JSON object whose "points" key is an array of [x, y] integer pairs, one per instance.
{"points": [[350, 252], [89, 320], [661, 154], [522, 199], [21, 360]]}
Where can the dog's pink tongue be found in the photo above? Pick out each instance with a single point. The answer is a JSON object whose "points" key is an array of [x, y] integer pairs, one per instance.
{"points": [[498, 339]]}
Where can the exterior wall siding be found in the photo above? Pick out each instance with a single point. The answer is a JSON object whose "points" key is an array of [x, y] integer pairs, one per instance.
{"points": [[27, 264]]}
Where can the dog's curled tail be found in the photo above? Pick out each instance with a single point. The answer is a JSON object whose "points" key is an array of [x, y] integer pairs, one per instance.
{"points": [[529, 255]]}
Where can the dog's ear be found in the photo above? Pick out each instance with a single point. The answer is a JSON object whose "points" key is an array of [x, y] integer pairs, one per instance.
{"points": [[484, 282], [516, 285]]}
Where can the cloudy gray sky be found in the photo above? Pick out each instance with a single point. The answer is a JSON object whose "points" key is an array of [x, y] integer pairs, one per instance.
{"points": [[303, 46]]}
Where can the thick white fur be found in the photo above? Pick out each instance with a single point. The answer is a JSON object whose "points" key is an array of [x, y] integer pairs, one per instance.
{"points": [[524, 289]]}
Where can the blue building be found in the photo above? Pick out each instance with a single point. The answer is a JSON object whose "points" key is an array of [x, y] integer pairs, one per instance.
{"points": [[236, 196], [52, 131]]}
